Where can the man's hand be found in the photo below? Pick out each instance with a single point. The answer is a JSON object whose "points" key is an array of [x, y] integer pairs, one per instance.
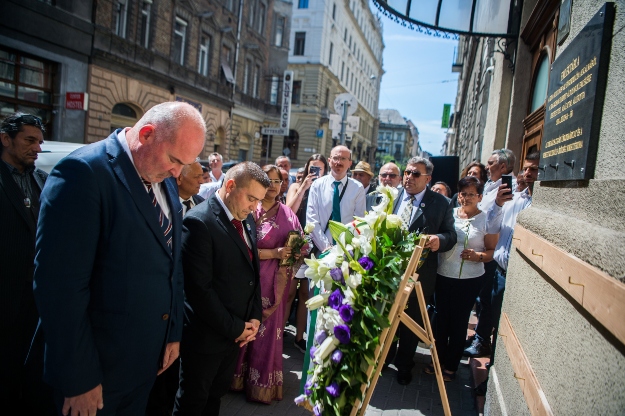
{"points": [[86, 404], [433, 242], [504, 194], [249, 330], [255, 325], [172, 351]]}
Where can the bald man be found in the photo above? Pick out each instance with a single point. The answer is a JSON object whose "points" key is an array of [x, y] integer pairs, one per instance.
{"points": [[389, 176]]}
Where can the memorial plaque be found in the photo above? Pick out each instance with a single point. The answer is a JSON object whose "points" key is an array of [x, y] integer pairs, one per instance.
{"points": [[575, 102]]}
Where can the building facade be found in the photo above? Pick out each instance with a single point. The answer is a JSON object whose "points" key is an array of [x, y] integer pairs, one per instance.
{"points": [[44, 54], [561, 345], [336, 47], [395, 138]]}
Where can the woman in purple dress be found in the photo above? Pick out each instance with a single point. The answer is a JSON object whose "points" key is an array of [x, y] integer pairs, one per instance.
{"points": [[259, 367]]}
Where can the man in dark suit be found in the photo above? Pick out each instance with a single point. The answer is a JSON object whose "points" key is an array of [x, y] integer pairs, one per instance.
{"points": [[189, 183], [223, 307], [389, 175], [20, 188], [431, 214], [108, 277]]}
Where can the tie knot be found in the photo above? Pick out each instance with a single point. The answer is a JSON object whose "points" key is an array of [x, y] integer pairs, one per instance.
{"points": [[337, 183], [412, 198], [147, 183]]}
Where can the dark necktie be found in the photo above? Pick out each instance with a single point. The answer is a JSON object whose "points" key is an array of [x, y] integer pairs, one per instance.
{"points": [[239, 226], [187, 204], [336, 203], [163, 221]]}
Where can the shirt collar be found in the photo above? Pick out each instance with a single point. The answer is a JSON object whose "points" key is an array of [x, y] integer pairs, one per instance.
{"points": [[15, 171], [343, 181], [417, 197], [223, 205]]}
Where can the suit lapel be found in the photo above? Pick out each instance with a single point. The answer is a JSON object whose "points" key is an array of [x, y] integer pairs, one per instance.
{"points": [[128, 176], [175, 207], [224, 222], [398, 202], [425, 202], [14, 194]]}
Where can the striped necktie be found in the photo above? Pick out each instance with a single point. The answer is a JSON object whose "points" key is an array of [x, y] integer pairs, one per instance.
{"points": [[163, 221], [406, 214]]}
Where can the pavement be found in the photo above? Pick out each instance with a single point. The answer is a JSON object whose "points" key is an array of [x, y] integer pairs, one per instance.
{"points": [[420, 397]]}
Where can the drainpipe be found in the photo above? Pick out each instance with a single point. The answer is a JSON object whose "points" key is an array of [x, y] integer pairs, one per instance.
{"points": [[234, 70]]}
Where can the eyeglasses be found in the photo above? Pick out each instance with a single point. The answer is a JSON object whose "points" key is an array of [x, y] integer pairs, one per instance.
{"points": [[389, 175], [338, 159], [467, 195], [414, 173], [275, 181]]}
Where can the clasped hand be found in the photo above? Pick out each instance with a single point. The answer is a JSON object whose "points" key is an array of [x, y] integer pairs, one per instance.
{"points": [[249, 333]]}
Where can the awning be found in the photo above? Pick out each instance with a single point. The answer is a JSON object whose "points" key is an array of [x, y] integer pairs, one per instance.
{"points": [[490, 18], [227, 72]]}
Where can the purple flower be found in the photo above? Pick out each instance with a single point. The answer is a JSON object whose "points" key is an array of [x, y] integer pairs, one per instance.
{"points": [[336, 299], [346, 312], [300, 399], [341, 332], [333, 389], [351, 253], [320, 336], [312, 351], [337, 356], [307, 390], [366, 263], [337, 275], [317, 410]]}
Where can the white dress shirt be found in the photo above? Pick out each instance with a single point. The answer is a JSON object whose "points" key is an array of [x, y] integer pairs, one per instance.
{"points": [[184, 206], [208, 189], [319, 210], [156, 187], [221, 178], [449, 262], [405, 200], [231, 217], [520, 201]]}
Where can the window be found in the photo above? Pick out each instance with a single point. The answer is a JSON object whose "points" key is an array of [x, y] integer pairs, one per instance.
{"points": [[342, 70], [325, 103], [539, 93], [280, 23], [347, 78], [300, 43], [345, 36], [123, 115], [297, 92], [333, 11], [350, 42], [180, 35], [146, 8], [330, 57], [256, 86], [261, 18], [226, 54], [302, 4], [121, 14], [26, 84], [242, 155], [252, 15], [229, 4], [246, 76], [290, 145], [273, 93], [205, 42]]}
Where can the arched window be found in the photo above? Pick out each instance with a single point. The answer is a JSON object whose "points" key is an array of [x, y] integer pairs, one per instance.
{"points": [[124, 115], [541, 82]]}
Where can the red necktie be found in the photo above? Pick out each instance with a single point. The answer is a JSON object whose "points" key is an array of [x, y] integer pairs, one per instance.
{"points": [[239, 226]]}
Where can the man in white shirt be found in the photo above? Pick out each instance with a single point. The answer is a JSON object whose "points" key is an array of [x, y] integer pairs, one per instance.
{"points": [[189, 183], [331, 192], [216, 161], [510, 211]]}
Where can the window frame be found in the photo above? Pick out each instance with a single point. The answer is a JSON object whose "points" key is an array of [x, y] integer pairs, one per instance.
{"points": [[183, 36]]}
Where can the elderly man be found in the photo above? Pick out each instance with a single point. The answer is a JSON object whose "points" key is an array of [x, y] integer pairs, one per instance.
{"points": [[362, 173], [216, 161], [223, 306], [20, 188], [189, 183], [283, 162], [427, 212], [389, 176], [108, 277]]}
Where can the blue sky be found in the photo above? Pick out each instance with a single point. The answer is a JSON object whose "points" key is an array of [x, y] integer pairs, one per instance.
{"points": [[418, 79]]}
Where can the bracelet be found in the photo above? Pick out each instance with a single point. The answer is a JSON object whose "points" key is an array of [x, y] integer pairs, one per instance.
{"points": [[481, 256]]}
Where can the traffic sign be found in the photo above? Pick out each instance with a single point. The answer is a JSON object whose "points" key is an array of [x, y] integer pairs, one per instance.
{"points": [[340, 100], [274, 131]]}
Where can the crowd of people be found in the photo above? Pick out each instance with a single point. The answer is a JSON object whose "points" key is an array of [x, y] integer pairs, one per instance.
{"points": [[136, 280]]}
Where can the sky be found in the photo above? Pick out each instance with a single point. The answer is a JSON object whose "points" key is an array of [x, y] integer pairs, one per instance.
{"points": [[418, 79]]}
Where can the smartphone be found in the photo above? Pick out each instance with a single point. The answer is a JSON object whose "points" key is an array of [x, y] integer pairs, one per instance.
{"points": [[507, 180], [315, 170]]}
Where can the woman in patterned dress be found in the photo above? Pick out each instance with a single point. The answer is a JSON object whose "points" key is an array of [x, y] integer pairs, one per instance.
{"points": [[259, 367]]}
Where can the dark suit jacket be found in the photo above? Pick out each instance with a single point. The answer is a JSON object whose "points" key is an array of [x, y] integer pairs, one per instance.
{"points": [[434, 216], [108, 288], [197, 199], [17, 245], [222, 284]]}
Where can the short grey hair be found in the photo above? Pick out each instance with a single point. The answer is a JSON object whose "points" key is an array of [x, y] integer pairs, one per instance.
{"points": [[170, 117], [505, 156], [283, 157], [429, 167], [244, 172], [216, 155]]}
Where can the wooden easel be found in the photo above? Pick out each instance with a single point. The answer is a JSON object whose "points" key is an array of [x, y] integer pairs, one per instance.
{"points": [[397, 314]]}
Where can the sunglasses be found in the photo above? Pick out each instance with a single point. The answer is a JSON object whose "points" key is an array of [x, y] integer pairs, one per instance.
{"points": [[414, 173], [23, 120], [389, 175]]}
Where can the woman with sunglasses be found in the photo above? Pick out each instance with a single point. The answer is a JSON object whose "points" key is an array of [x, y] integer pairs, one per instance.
{"points": [[259, 367], [459, 276]]}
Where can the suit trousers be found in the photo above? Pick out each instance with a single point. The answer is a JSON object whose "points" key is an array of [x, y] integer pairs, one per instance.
{"points": [[204, 380], [484, 327], [454, 300]]}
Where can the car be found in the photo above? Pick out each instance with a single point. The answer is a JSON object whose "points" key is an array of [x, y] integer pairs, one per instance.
{"points": [[52, 152]]}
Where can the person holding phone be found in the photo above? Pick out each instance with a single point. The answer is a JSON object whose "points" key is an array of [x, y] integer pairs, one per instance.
{"points": [[297, 200]]}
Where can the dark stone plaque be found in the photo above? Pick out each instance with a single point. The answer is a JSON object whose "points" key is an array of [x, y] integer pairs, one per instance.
{"points": [[575, 102]]}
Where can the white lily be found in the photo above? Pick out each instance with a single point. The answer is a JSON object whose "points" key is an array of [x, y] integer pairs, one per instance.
{"points": [[309, 228], [317, 269], [317, 301], [326, 348], [393, 221], [349, 296], [331, 319], [354, 280]]}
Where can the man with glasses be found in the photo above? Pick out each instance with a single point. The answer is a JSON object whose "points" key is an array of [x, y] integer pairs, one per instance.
{"points": [[429, 213], [389, 176], [20, 187]]}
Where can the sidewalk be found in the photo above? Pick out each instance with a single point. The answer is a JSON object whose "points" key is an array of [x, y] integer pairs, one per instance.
{"points": [[418, 398]]}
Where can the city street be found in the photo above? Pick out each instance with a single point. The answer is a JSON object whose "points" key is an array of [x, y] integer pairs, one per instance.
{"points": [[418, 398]]}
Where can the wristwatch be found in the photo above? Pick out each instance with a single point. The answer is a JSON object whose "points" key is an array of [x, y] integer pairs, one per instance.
{"points": [[481, 256]]}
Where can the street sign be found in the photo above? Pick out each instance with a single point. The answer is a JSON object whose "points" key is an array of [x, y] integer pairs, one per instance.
{"points": [[352, 123], [77, 101], [274, 131], [339, 102], [319, 133], [446, 113], [287, 91]]}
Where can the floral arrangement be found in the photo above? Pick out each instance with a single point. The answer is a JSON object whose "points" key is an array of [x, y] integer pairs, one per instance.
{"points": [[358, 280], [301, 246]]}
